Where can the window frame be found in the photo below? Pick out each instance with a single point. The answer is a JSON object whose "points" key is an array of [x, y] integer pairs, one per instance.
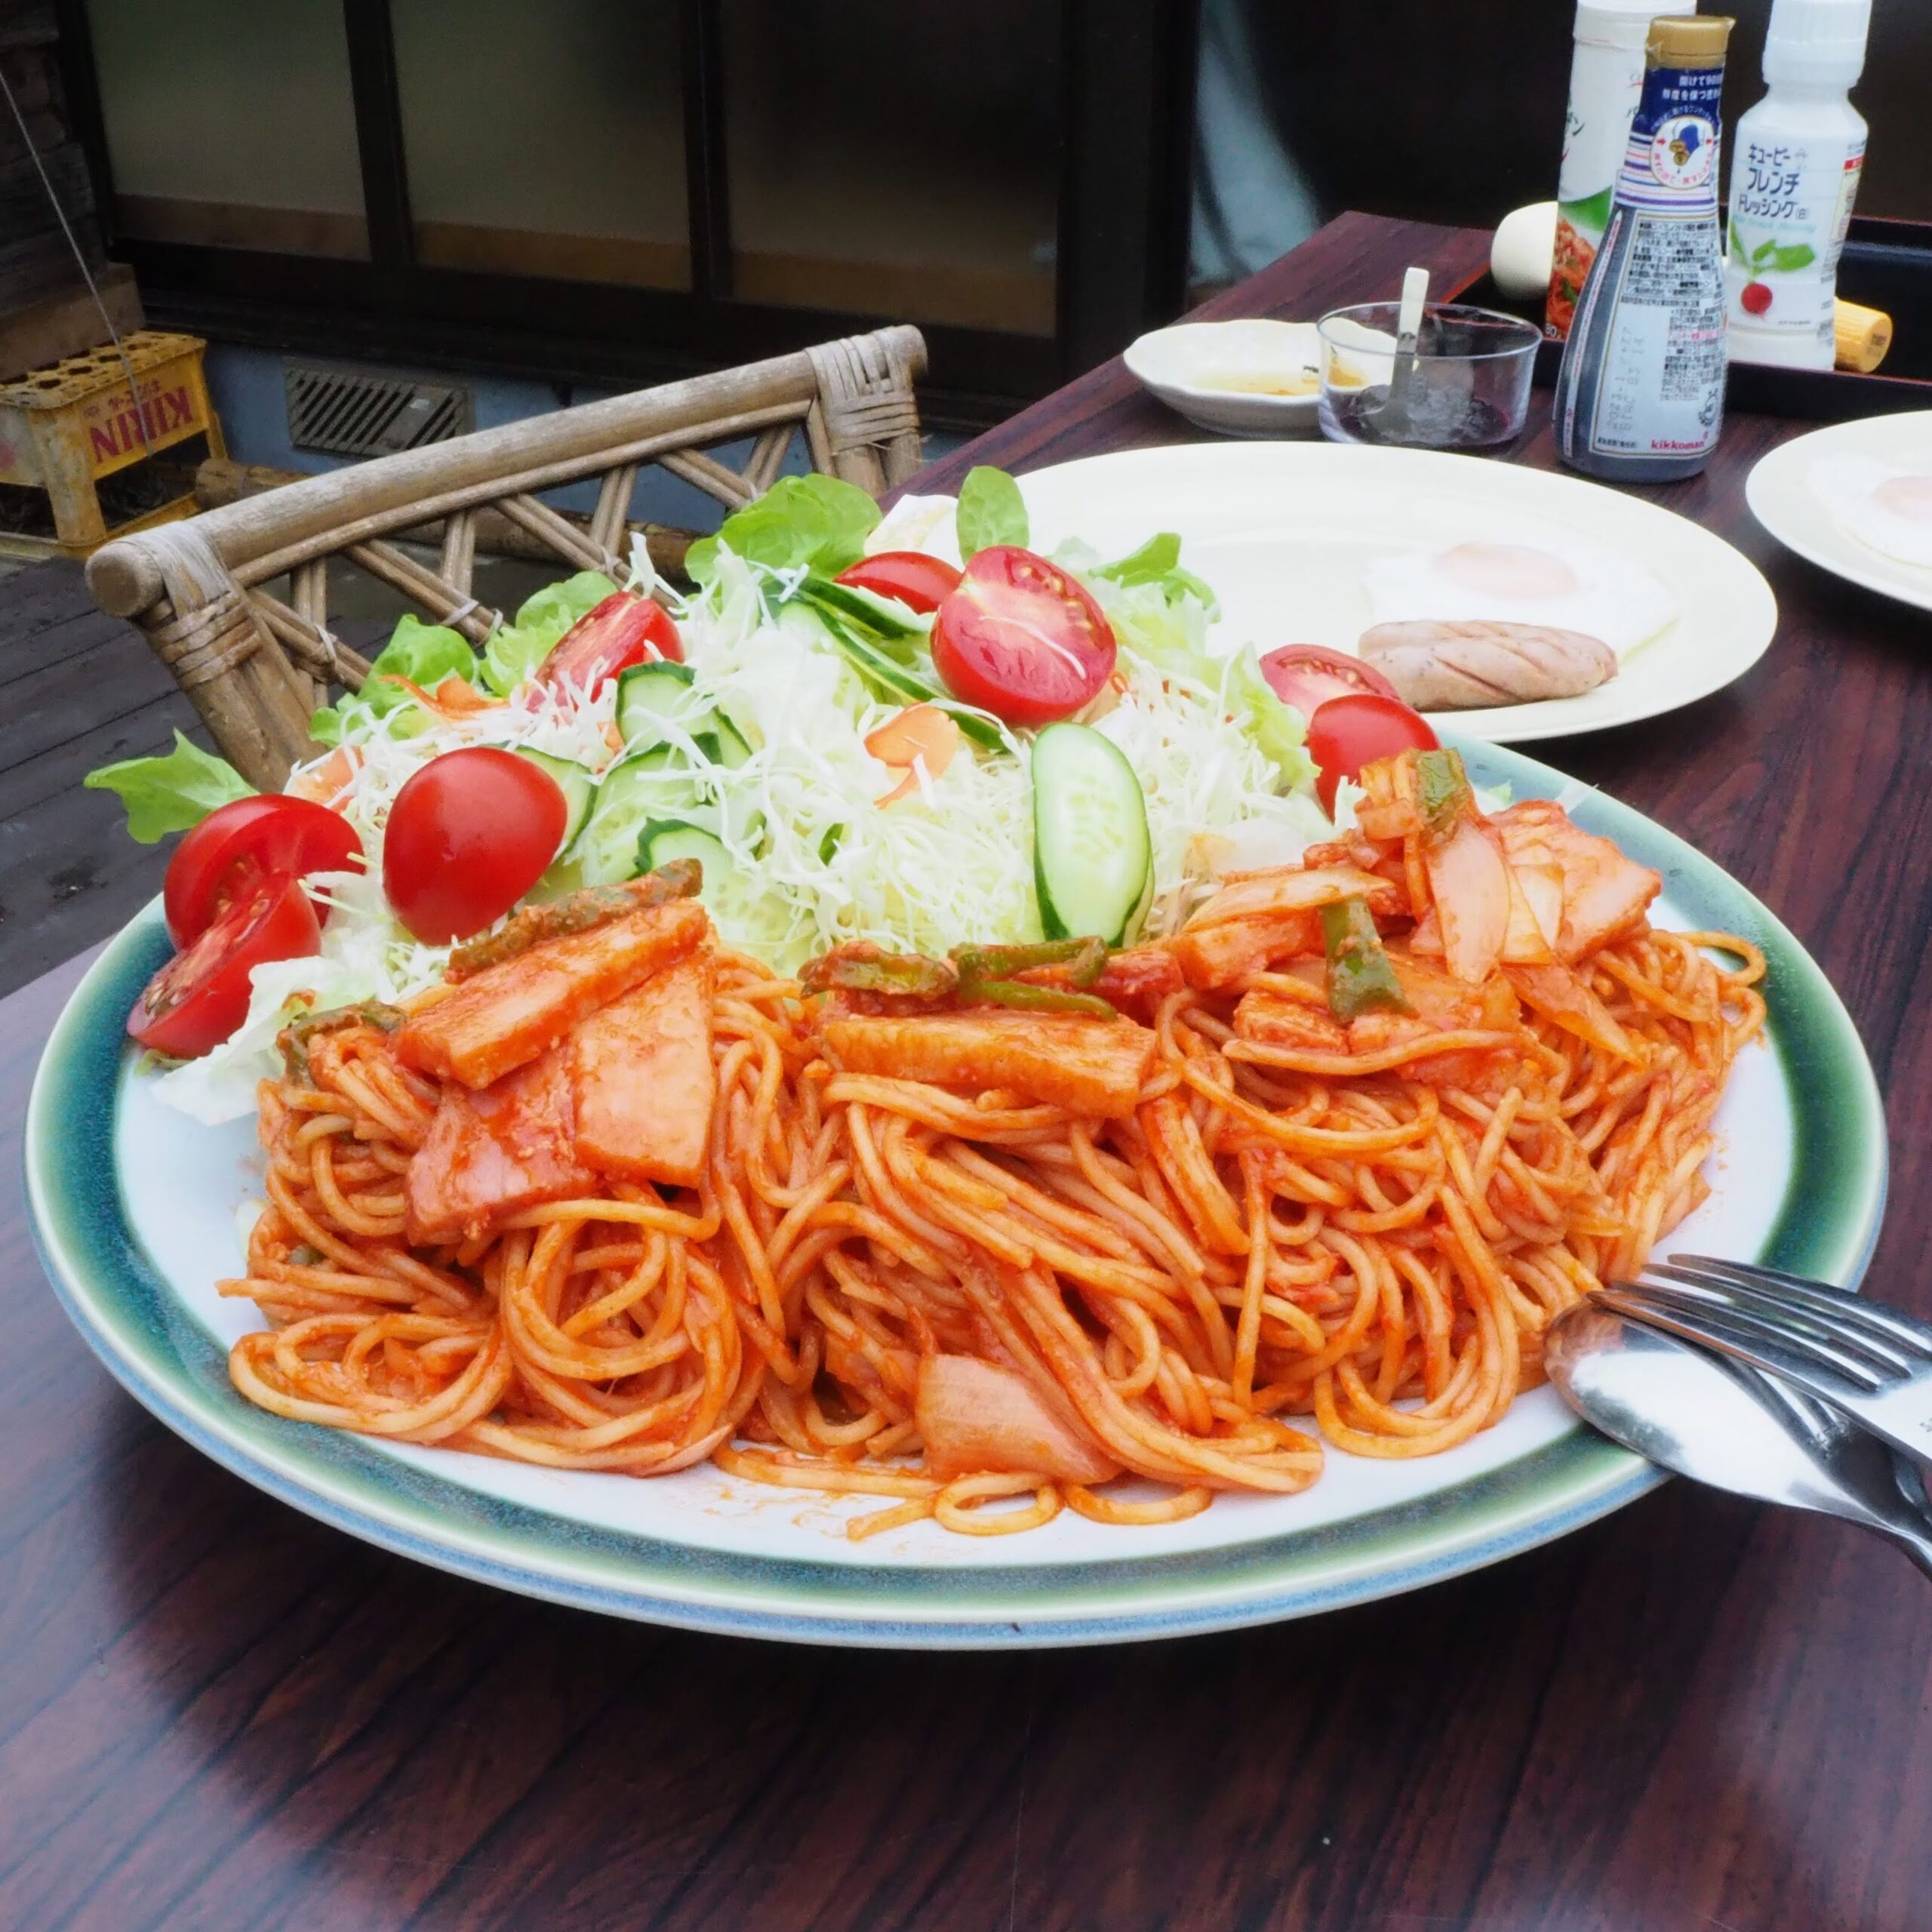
{"points": [[1127, 92]]}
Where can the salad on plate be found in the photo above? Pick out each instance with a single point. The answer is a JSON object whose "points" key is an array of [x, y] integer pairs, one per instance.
{"points": [[912, 733]]}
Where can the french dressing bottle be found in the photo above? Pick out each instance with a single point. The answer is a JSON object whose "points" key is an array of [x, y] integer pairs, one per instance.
{"points": [[1640, 397], [1800, 153]]}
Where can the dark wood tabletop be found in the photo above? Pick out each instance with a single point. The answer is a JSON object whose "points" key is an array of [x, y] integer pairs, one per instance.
{"points": [[217, 1713]]}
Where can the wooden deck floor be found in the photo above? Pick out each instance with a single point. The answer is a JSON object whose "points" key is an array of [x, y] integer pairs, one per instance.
{"points": [[78, 689]]}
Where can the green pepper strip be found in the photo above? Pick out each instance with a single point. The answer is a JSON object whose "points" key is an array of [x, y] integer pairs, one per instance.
{"points": [[1086, 960], [1037, 999], [906, 973], [1360, 977], [1442, 789], [294, 1037], [986, 973]]}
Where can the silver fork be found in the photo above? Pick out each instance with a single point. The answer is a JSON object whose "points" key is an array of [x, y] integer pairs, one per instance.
{"points": [[1871, 1362]]}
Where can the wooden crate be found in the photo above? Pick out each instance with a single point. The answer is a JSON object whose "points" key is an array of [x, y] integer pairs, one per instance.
{"points": [[66, 429]]}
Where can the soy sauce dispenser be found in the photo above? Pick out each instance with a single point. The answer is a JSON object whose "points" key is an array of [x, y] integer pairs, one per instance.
{"points": [[1640, 397]]}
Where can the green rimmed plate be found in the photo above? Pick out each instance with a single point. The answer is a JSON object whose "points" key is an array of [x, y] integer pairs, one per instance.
{"points": [[135, 1211]]}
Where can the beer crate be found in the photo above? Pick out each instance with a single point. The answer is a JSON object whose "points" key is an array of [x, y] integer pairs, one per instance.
{"points": [[86, 454]]}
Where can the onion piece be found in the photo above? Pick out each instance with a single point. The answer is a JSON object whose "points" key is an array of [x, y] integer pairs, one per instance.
{"points": [[975, 1416], [1470, 881], [1565, 1000], [1536, 914], [1291, 890]]}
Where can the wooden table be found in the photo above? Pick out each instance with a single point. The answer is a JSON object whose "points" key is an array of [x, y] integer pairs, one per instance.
{"points": [[216, 1713]]}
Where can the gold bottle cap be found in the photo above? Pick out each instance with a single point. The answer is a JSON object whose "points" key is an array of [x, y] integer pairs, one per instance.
{"points": [[1688, 40]]}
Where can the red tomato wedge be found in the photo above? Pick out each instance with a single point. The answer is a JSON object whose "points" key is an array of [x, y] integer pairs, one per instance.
{"points": [[623, 630], [1022, 638], [1348, 732], [243, 841], [467, 837], [920, 583], [1307, 677], [199, 997]]}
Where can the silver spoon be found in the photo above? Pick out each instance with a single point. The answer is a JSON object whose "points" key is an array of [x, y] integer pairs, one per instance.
{"points": [[1730, 1426]]}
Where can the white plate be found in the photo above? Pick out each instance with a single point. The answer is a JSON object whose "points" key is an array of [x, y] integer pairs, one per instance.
{"points": [[135, 1212], [1782, 498], [1172, 362], [1283, 532]]}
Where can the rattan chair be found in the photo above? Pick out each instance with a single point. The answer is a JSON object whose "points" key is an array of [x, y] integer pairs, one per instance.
{"points": [[255, 665]]}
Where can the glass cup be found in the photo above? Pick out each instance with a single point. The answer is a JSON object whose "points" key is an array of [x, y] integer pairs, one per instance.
{"points": [[1467, 387]]}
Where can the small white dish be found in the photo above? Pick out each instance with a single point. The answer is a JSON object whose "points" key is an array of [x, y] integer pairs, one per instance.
{"points": [[1213, 374]]}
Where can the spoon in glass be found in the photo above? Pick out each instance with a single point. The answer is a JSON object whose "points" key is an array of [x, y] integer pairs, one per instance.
{"points": [[1724, 1424], [1393, 419]]}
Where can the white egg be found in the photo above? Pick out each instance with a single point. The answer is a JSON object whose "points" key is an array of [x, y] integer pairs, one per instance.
{"points": [[1887, 507], [1523, 249], [1558, 579]]}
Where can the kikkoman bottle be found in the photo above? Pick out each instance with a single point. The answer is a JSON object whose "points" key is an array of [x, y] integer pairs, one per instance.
{"points": [[1606, 83], [1793, 177], [1640, 397]]}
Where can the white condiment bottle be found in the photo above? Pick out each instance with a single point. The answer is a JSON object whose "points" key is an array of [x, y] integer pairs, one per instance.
{"points": [[1606, 83], [1796, 163]]}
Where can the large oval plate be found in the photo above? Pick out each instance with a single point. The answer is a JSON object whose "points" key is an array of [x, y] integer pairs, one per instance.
{"points": [[1285, 531], [135, 1209]]}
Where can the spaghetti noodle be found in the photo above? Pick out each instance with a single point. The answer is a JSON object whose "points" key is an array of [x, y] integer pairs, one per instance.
{"points": [[1282, 1243]]}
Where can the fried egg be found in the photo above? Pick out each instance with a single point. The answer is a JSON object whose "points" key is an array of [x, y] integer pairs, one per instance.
{"points": [[1886, 506], [1558, 580]]}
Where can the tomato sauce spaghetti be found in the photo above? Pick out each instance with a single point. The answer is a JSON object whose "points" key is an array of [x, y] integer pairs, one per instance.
{"points": [[948, 1294]]}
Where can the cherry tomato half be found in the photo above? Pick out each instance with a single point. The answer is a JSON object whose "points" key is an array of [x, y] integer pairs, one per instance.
{"points": [[201, 994], [623, 630], [1348, 732], [1022, 638], [468, 836], [246, 840], [1307, 677], [919, 582]]}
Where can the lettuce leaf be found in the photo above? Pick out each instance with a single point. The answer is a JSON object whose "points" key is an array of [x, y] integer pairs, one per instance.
{"points": [[171, 793], [815, 523], [516, 650], [1278, 728], [991, 511], [1160, 615], [1159, 612], [424, 654], [1158, 562]]}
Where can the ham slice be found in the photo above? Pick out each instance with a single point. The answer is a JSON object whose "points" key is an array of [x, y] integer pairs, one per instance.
{"points": [[505, 1016], [641, 1075], [489, 1154], [1604, 893], [1219, 956], [1091, 1066]]}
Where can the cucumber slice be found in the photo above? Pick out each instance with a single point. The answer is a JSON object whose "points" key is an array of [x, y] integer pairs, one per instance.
{"points": [[664, 839], [885, 678], [732, 750], [886, 616], [649, 694], [633, 794], [1093, 861], [577, 785]]}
